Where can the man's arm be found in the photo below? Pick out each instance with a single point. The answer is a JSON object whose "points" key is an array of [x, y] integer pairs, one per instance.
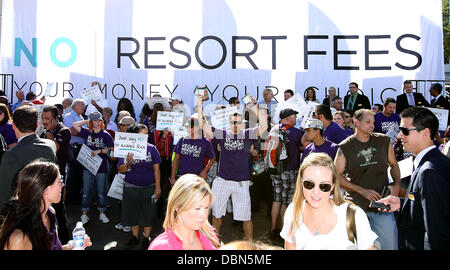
{"points": [[339, 162], [207, 130], [395, 172]]}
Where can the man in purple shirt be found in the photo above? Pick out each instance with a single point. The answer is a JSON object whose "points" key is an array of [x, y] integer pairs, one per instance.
{"points": [[233, 173], [314, 133], [191, 152], [386, 118], [284, 183], [332, 131]]}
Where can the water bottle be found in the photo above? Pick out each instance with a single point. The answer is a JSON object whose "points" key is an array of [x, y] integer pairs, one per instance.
{"points": [[78, 236]]}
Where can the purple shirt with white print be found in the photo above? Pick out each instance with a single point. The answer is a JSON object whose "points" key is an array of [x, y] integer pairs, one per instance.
{"points": [[141, 171]]}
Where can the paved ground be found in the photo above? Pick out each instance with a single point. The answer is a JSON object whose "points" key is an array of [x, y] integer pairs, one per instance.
{"points": [[104, 234]]}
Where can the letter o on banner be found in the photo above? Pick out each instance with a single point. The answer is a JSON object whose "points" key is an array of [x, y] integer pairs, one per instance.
{"points": [[73, 54], [224, 52]]}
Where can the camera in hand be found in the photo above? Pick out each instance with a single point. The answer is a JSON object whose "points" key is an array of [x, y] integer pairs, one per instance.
{"points": [[380, 205]]}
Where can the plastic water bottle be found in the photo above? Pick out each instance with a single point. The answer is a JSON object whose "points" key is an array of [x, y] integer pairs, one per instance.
{"points": [[78, 236]]}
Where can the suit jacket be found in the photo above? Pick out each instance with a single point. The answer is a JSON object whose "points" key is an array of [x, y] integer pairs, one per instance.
{"points": [[442, 103], [28, 149], [424, 221], [361, 102], [402, 102]]}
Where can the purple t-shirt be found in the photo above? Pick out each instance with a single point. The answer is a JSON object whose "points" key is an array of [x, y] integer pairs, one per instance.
{"points": [[96, 141], [335, 133], [294, 137], [384, 123], [235, 153], [141, 171], [8, 133], [193, 153], [327, 147]]}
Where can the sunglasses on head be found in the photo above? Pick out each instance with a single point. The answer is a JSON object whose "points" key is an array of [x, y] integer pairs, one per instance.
{"points": [[406, 131], [324, 187]]}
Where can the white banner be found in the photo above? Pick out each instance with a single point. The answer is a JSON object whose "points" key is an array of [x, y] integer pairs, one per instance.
{"points": [[116, 189], [170, 120], [125, 143], [124, 46], [89, 162]]}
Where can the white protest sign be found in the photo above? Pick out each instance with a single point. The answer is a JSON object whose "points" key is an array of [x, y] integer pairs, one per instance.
{"points": [[151, 101], [296, 102], [406, 167], [169, 120], [48, 89], [40, 127], [308, 113], [393, 131], [86, 159], [179, 133], [442, 116], [219, 118], [95, 94], [116, 189], [125, 143]]}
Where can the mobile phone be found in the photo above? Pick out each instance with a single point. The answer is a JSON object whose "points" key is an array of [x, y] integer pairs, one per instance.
{"points": [[382, 206], [153, 199]]}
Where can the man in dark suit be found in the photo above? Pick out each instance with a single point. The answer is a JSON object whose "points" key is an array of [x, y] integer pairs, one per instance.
{"points": [[409, 98], [424, 220], [29, 147], [437, 100], [354, 101]]}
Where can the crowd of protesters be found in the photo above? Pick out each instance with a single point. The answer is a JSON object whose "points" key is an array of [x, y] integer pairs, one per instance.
{"points": [[336, 165]]}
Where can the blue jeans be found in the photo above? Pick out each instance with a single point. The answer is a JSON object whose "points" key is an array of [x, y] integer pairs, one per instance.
{"points": [[384, 225], [88, 188]]}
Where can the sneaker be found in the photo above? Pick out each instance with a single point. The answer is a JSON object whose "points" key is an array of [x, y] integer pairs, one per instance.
{"points": [[145, 243], [119, 226], [126, 229], [103, 218], [133, 241], [84, 219]]}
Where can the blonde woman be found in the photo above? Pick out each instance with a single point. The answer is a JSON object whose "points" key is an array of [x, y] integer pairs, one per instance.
{"points": [[186, 224], [314, 220]]}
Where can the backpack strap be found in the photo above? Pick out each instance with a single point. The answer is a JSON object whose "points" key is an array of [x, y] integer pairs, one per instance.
{"points": [[351, 226]]}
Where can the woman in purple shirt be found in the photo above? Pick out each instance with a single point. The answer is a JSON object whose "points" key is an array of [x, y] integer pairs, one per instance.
{"points": [[100, 142], [142, 183], [6, 128], [30, 222]]}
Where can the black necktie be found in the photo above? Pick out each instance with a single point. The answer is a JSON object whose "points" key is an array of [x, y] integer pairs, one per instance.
{"points": [[433, 101], [414, 166]]}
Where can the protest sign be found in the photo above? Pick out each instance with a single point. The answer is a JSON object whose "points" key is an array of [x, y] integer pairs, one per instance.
{"points": [[442, 116], [308, 113], [405, 166], [219, 118], [151, 101], [48, 89], [116, 189], [86, 159], [40, 127], [125, 143], [179, 133], [393, 131], [93, 93], [169, 120], [296, 103]]}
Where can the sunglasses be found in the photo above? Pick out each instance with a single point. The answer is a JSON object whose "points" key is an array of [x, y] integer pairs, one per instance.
{"points": [[406, 131], [236, 122], [347, 116], [324, 187]]}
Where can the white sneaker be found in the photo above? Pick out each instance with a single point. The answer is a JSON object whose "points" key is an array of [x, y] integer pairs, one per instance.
{"points": [[119, 226], [104, 219], [126, 229], [84, 219]]}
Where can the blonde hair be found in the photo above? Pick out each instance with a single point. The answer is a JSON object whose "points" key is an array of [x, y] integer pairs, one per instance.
{"points": [[314, 159], [187, 191]]}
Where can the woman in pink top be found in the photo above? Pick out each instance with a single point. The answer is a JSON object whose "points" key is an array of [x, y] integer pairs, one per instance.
{"points": [[186, 224]]}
